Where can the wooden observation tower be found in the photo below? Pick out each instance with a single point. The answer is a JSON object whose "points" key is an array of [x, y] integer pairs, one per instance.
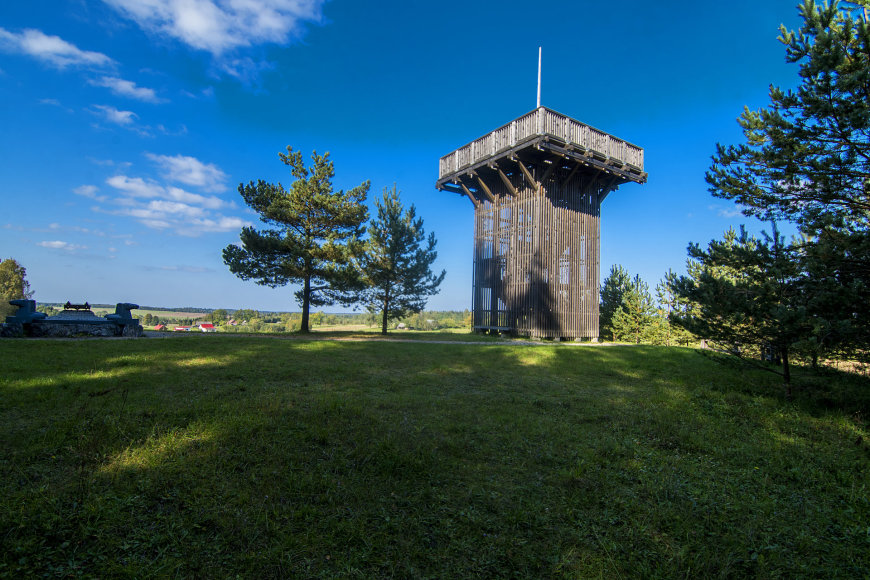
{"points": [[537, 185]]}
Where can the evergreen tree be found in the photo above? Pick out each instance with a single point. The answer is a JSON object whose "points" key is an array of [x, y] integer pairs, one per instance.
{"points": [[634, 320], [807, 156], [615, 285], [396, 264], [669, 304], [747, 293], [13, 286], [315, 232]]}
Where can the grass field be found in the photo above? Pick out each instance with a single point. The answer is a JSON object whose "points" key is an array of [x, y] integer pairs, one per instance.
{"points": [[216, 456], [164, 314]]}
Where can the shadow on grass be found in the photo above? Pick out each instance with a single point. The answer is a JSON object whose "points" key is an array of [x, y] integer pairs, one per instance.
{"points": [[204, 457]]}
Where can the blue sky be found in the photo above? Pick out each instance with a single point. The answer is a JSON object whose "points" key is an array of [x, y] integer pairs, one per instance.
{"points": [[128, 124]]}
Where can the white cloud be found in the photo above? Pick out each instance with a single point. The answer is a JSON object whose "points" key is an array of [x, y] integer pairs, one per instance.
{"points": [[218, 26], [725, 212], [126, 88], [115, 116], [51, 49], [89, 191], [109, 163], [175, 208], [135, 187], [155, 224], [60, 245], [166, 207], [210, 202], [189, 269], [191, 171], [245, 69]]}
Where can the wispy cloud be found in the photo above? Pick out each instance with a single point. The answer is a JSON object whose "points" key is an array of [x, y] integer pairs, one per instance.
{"points": [[125, 88], [136, 187], [52, 50], [58, 227], [162, 207], [218, 26], [89, 191], [61, 245], [726, 212], [188, 269], [113, 115], [110, 163], [190, 171]]}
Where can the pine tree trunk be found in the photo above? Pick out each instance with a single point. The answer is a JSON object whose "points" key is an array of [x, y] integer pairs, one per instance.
{"points": [[786, 373], [306, 295], [386, 307]]}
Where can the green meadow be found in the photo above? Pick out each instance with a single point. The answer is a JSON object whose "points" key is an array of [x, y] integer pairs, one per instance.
{"points": [[223, 456]]}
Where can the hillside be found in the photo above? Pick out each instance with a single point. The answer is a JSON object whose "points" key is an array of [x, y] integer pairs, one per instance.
{"points": [[264, 457]]}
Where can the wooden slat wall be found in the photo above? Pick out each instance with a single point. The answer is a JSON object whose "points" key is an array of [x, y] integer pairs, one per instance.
{"points": [[536, 256]]}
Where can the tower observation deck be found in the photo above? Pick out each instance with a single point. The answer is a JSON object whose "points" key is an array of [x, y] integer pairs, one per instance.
{"points": [[537, 185]]}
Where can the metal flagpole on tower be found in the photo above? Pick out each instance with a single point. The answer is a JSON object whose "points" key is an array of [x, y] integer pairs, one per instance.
{"points": [[539, 77]]}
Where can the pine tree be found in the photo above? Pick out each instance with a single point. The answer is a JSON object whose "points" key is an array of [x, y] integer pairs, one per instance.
{"points": [[612, 289], [315, 232], [396, 264], [747, 293], [634, 320], [807, 156]]}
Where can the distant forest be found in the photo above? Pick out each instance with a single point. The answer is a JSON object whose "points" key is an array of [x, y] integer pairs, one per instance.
{"points": [[250, 320]]}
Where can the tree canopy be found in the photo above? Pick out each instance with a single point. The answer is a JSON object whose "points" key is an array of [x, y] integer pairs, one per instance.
{"points": [[397, 261], [633, 321], [315, 231], [13, 286], [747, 293], [615, 285], [807, 157]]}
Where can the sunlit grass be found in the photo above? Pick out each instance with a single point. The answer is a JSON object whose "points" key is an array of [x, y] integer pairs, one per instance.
{"points": [[259, 457]]}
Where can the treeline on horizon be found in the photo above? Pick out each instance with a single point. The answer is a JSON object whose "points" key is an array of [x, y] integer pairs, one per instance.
{"points": [[252, 320]]}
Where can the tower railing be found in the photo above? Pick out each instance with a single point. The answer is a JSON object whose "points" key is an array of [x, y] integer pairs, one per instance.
{"points": [[548, 123]]}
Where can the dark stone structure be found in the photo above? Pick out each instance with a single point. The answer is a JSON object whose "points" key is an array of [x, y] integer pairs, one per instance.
{"points": [[71, 322]]}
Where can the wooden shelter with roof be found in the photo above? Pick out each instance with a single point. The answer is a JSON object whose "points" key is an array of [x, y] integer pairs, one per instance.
{"points": [[537, 185]]}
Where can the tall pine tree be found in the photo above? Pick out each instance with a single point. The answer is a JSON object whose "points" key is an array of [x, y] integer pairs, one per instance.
{"points": [[806, 158], [634, 320], [615, 285], [396, 264], [314, 233]]}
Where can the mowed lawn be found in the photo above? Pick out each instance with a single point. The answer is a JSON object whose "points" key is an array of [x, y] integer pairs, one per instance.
{"points": [[217, 456]]}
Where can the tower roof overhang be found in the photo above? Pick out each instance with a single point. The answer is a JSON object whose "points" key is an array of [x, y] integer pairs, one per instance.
{"points": [[544, 135]]}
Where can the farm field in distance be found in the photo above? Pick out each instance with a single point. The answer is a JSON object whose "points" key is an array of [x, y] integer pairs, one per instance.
{"points": [[260, 456]]}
